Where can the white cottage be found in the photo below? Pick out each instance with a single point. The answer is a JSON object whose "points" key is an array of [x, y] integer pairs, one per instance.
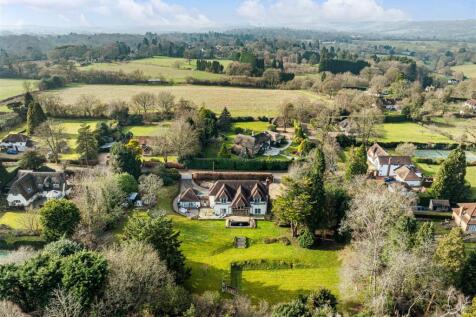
{"points": [[33, 185], [17, 141], [230, 198], [409, 174]]}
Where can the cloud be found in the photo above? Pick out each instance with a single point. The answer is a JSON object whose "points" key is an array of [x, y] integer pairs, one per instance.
{"points": [[308, 13], [125, 12]]}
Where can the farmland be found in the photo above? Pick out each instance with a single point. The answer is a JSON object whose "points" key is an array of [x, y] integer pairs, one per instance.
{"points": [[12, 87], [240, 101], [169, 68], [208, 248], [469, 70]]}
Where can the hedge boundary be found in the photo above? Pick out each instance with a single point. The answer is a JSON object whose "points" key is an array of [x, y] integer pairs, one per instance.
{"points": [[238, 164]]}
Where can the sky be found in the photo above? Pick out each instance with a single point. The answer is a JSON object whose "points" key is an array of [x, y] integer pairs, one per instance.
{"points": [[194, 15]]}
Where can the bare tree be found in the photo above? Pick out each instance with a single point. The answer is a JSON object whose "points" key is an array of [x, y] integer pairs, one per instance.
{"points": [[53, 138], [87, 105], [185, 138], [166, 102], [64, 304], [9, 309], [406, 149], [286, 112], [162, 145], [30, 220], [144, 101], [149, 186], [366, 121]]}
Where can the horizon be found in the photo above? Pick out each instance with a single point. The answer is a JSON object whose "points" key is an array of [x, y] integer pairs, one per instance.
{"points": [[136, 16]]}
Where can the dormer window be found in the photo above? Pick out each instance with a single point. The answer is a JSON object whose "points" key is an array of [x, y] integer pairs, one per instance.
{"points": [[257, 199], [223, 200]]}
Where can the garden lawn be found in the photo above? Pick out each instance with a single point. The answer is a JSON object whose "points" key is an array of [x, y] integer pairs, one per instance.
{"points": [[239, 101], [170, 68], [208, 248], [148, 130], [13, 219], [12, 87], [409, 132], [469, 70]]}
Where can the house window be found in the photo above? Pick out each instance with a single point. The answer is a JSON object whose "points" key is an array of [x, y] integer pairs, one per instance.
{"points": [[223, 210], [223, 199], [257, 200], [257, 211]]}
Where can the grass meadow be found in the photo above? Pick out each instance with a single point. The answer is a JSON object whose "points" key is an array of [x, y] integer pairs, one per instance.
{"points": [[469, 70], [12, 87], [409, 132], [208, 248], [240, 101], [170, 68]]}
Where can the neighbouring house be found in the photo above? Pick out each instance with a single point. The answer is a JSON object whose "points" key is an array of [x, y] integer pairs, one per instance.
{"points": [[145, 144], [465, 216], [471, 104], [439, 205], [387, 164], [230, 198], [189, 199], [409, 174], [17, 141], [375, 151], [31, 186], [453, 81], [252, 145]]}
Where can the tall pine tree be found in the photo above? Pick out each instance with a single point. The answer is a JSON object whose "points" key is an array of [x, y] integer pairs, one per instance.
{"points": [[449, 182], [86, 143], [35, 116], [316, 175], [357, 163], [224, 120]]}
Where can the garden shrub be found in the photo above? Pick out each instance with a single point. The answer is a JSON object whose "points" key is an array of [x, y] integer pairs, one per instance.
{"points": [[306, 239]]}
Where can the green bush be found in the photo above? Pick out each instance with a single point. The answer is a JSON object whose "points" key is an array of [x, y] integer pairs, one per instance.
{"points": [[59, 218], [306, 239]]}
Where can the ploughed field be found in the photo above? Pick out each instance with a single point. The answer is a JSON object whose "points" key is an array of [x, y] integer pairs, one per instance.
{"points": [[240, 101]]}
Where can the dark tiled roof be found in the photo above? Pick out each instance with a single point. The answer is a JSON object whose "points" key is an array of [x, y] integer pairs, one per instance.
{"points": [[15, 138], [239, 192], [189, 195], [440, 202], [394, 160], [29, 183]]}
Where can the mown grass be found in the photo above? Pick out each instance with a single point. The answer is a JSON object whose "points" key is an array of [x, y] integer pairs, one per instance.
{"points": [[239, 101], [208, 248], [409, 132], [469, 70], [12, 87], [170, 68]]}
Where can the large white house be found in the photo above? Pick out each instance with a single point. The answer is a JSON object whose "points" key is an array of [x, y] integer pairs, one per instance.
{"points": [[17, 141], [230, 198], [31, 186]]}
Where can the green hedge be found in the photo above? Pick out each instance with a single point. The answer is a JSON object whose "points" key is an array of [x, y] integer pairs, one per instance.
{"points": [[395, 118], [238, 164], [14, 244]]}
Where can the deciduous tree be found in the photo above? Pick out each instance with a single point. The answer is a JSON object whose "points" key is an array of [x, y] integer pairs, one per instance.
{"points": [[59, 218]]}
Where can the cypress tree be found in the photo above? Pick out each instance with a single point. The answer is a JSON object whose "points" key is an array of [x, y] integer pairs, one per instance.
{"points": [[28, 98], [224, 120], [449, 182], [34, 117], [317, 193], [357, 163]]}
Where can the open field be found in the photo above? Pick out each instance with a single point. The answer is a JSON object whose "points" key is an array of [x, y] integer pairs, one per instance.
{"points": [[208, 248], [410, 132], [456, 127], [170, 68], [240, 101], [13, 87], [469, 70]]}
